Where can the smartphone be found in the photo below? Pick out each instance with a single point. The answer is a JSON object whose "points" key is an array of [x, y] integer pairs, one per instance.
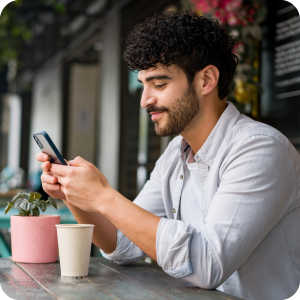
{"points": [[47, 146]]}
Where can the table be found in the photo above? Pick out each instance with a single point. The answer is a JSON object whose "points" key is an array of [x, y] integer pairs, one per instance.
{"points": [[106, 280]]}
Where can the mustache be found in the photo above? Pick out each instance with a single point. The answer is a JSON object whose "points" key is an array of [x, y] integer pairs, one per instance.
{"points": [[151, 109]]}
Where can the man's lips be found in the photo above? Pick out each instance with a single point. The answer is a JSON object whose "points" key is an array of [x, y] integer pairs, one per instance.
{"points": [[155, 115]]}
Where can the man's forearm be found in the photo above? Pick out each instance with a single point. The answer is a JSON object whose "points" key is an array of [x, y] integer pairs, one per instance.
{"points": [[105, 233], [137, 224]]}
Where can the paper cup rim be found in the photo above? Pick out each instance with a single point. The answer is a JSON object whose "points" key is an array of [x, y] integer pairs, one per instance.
{"points": [[40, 216], [74, 225]]}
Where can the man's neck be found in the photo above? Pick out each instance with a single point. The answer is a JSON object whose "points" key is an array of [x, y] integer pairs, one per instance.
{"points": [[206, 121]]}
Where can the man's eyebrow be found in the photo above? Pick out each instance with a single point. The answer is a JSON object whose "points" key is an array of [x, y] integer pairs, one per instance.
{"points": [[156, 77]]}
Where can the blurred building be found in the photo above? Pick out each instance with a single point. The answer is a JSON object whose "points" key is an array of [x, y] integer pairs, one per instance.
{"points": [[73, 83]]}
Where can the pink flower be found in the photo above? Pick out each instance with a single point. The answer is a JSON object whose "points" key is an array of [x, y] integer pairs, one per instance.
{"points": [[215, 3], [219, 14], [206, 6], [232, 20], [232, 12], [230, 5]]}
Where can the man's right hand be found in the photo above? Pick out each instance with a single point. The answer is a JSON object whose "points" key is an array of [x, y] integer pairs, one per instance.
{"points": [[49, 182]]}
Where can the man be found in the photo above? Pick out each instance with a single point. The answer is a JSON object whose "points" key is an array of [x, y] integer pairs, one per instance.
{"points": [[221, 208]]}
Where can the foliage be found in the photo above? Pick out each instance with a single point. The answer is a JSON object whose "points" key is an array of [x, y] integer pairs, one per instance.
{"points": [[242, 19], [15, 29], [29, 204], [12, 33]]}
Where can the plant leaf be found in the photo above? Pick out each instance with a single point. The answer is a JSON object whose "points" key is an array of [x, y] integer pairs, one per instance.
{"points": [[52, 202], [23, 205], [43, 205], [23, 213], [32, 206], [25, 196], [36, 212], [37, 202], [37, 196], [7, 208], [19, 195], [27, 206], [18, 203], [31, 197]]}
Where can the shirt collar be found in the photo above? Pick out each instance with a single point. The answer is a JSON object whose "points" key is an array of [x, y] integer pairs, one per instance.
{"points": [[210, 148]]}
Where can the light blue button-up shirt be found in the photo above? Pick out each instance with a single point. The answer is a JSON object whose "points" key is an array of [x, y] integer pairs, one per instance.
{"points": [[230, 216]]}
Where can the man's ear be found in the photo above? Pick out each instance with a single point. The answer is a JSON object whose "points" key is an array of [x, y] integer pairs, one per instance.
{"points": [[208, 79]]}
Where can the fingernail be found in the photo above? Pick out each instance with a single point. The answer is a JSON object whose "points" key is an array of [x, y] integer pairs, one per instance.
{"points": [[70, 162], [45, 156]]}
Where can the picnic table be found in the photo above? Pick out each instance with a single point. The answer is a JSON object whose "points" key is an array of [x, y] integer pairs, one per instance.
{"points": [[106, 280]]}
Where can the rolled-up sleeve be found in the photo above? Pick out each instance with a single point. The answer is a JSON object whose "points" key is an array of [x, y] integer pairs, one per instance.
{"points": [[173, 247], [125, 252], [256, 190]]}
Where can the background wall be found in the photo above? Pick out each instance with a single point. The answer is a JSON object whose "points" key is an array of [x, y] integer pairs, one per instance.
{"points": [[82, 109], [46, 111], [109, 106]]}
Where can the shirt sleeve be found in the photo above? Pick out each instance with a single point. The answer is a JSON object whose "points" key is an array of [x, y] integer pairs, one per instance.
{"points": [[256, 190], [150, 199]]}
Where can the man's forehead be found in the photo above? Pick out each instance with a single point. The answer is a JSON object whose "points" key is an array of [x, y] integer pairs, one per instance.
{"points": [[159, 70]]}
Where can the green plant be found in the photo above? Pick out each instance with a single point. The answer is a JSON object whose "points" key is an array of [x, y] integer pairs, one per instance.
{"points": [[29, 204], [16, 26]]}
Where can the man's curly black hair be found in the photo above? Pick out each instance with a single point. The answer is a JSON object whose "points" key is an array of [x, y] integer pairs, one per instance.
{"points": [[186, 39]]}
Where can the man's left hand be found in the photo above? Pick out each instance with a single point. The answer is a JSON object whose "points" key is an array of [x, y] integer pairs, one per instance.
{"points": [[83, 184]]}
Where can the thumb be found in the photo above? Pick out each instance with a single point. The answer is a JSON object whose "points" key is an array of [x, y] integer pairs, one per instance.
{"points": [[78, 162]]}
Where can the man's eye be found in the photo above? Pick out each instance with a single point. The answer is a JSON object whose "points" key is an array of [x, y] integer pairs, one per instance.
{"points": [[160, 86]]}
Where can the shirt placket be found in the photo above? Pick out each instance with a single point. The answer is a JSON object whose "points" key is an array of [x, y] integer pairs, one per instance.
{"points": [[179, 186], [203, 169]]}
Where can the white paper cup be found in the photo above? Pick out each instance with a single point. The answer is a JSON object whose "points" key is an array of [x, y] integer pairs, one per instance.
{"points": [[74, 244]]}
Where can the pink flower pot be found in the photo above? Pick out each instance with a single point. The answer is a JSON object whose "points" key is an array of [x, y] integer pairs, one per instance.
{"points": [[34, 239]]}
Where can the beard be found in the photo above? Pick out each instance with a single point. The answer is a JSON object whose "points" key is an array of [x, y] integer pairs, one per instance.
{"points": [[181, 116]]}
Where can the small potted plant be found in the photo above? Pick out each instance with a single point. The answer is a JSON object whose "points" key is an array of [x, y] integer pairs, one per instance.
{"points": [[33, 236]]}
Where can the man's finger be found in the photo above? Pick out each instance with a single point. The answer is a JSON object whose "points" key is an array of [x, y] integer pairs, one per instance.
{"points": [[61, 180], [42, 157], [46, 166], [47, 178], [51, 187], [79, 162], [60, 170]]}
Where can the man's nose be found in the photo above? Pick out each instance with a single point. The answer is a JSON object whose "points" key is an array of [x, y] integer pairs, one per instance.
{"points": [[147, 99]]}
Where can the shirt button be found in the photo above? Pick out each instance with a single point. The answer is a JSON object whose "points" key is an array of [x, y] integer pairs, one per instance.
{"points": [[174, 210], [181, 176]]}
